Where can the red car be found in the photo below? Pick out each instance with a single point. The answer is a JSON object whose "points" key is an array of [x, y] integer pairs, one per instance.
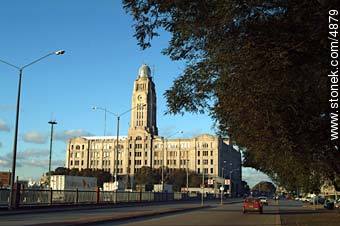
{"points": [[252, 204]]}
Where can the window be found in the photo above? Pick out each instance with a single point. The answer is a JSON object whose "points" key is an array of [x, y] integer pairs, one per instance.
{"points": [[72, 147], [78, 147], [205, 145], [211, 153], [205, 153], [138, 138], [138, 146], [71, 154], [82, 147], [205, 162], [198, 171], [145, 162], [211, 170], [211, 162], [82, 162], [206, 170], [198, 153], [198, 162], [76, 163], [71, 163], [146, 154]]}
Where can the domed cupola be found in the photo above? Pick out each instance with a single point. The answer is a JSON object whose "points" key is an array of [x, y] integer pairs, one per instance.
{"points": [[144, 71]]}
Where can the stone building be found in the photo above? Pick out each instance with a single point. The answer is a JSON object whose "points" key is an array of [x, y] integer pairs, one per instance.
{"points": [[144, 147]]}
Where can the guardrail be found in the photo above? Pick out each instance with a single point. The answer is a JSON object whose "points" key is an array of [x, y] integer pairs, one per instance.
{"points": [[34, 197]]}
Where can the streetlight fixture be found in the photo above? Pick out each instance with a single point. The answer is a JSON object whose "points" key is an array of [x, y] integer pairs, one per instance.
{"points": [[105, 111], [52, 123], [166, 143], [230, 174], [117, 141], [15, 143]]}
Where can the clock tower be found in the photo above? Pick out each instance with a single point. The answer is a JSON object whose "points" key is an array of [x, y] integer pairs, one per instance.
{"points": [[143, 126], [143, 115]]}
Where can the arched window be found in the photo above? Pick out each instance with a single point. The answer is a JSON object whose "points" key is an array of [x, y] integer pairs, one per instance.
{"points": [[139, 138]]}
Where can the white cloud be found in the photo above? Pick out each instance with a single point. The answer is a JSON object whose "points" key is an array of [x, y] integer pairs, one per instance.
{"points": [[4, 163], [37, 158], [4, 126], [67, 134], [32, 153], [252, 176], [35, 137], [43, 163]]}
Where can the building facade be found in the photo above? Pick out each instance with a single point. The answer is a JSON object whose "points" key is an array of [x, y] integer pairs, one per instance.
{"points": [[144, 147]]}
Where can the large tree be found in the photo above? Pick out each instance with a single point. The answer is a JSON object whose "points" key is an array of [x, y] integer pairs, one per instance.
{"points": [[260, 69]]}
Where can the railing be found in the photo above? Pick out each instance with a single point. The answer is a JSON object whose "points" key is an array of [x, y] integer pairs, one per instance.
{"points": [[30, 197]]}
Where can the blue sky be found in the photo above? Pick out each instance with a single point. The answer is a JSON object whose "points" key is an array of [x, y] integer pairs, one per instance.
{"points": [[100, 64]]}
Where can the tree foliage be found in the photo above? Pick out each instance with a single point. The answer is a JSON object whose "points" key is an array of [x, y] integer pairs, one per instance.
{"points": [[259, 68], [177, 177], [264, 186]]}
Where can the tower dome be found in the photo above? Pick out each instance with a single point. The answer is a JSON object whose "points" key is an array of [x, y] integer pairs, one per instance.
{"points": [[144, 71]]}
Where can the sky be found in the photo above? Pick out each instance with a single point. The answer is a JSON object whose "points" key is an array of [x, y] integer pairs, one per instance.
{"points": [[98, 68]]}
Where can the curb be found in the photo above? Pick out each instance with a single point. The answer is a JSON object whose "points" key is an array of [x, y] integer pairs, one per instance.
{"points": [[117, 218]]}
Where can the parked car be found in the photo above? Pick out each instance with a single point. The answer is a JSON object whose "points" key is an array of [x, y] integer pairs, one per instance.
{"points": [[317, 200], [252, 204], [263, 200], [329, 204]]}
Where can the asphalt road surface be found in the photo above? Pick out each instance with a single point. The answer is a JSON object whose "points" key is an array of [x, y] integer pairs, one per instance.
{"points": [[290, 213]]}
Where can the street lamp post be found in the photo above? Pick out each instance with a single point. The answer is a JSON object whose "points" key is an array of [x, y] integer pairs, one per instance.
{"points": [[117, 134], [166, 143], [52, 123], [230, 185], [15, 143], [187, 166], [202, 197]]}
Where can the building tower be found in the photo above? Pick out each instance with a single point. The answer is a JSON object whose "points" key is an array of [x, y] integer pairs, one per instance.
{"points": [[143, 125], [143, 115]]}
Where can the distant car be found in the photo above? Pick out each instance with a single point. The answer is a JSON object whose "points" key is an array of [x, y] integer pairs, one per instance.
{"points": [[252, 204], [263, 200]]}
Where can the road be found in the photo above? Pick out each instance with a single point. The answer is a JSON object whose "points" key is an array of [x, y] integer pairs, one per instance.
{"points": [[290, 213]]}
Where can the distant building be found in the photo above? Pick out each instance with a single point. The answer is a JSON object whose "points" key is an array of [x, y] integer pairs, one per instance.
{"points": [[144, 147], [5, 179]]}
